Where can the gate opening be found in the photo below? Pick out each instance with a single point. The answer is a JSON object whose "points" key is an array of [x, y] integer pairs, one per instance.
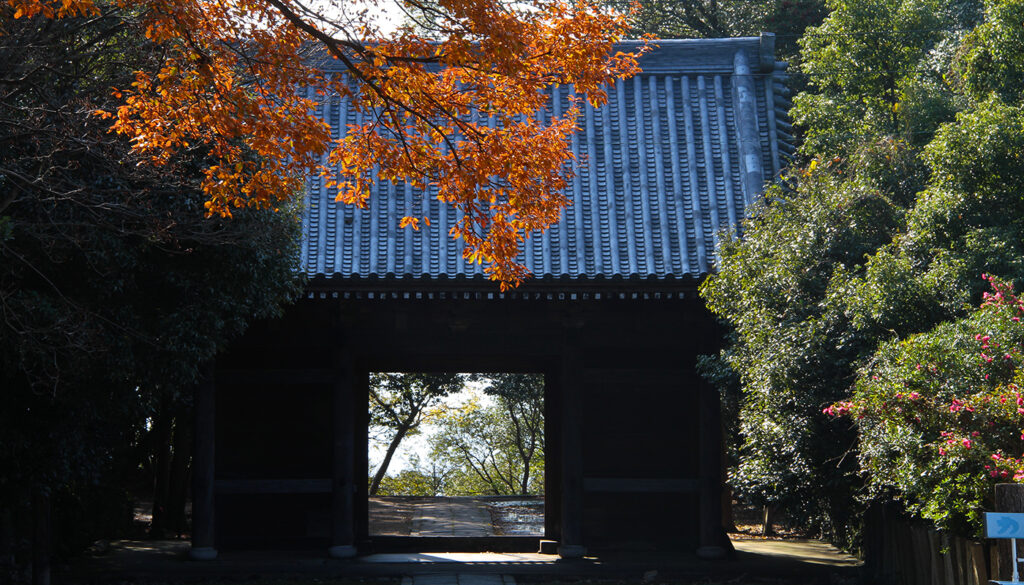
{"points": [[456, 455]]}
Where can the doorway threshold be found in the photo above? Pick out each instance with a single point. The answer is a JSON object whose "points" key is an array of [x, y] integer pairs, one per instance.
{"points": [[451, 544], [462, 558]]}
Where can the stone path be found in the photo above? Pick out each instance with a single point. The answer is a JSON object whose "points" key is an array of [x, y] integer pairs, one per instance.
{"points": [[459, 579], [484, 558], [463, 517], [807, 551]]}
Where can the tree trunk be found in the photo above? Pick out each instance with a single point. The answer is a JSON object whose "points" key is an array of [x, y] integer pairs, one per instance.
{"points": [[767, 519], [728, 519], [42, 537], [8, 538], [178, 481], [377, 477], [161, 442]]}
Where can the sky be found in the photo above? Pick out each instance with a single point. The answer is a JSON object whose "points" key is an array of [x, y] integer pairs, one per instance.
{"points": [[387, 15]]}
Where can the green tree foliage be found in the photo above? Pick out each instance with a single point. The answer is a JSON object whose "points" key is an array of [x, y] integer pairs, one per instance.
{"points": [[495, 449], [911, 191], [793, 343], [672, 19], [875, 68], [421, 479], [398, 402], [990, 60], [113, 287]]}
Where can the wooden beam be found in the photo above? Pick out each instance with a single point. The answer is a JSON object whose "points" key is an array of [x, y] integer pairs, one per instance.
{"points": [[288, 376], [273, 486], [640, 485]]}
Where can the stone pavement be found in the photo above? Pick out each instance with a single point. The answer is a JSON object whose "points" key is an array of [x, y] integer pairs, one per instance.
{"points": [[459, 579], [462, 517], [789, 562]]}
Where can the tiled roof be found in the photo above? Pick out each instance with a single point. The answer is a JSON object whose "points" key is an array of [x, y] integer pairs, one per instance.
{"points": [[671, 160]]}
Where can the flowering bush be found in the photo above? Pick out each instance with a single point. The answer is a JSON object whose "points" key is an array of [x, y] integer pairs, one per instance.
{"points": [[940, 415]]}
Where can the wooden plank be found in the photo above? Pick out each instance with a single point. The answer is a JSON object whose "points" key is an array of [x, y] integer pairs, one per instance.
{"points": [[273, 486], [937, 570], [282, 376], [948, 559], [920, 565], [640, 485], [979, 563]]}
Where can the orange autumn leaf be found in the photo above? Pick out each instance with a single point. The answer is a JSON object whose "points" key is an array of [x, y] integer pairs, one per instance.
{"points": [[462, 111]]}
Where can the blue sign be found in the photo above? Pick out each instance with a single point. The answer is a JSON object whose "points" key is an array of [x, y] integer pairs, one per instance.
{"points": [[1004, 525]]}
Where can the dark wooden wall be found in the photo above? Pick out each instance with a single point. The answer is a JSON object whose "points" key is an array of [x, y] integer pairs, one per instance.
{"points": [[620, 375]]}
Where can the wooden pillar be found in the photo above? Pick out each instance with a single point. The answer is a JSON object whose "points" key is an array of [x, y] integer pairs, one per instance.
{"points": [[203, 468], [343, 461], [571, 419], [1009, 498], [710, 516]]}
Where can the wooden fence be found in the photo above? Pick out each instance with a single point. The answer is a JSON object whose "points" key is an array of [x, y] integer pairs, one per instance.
{"points": [[901, 551]]}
